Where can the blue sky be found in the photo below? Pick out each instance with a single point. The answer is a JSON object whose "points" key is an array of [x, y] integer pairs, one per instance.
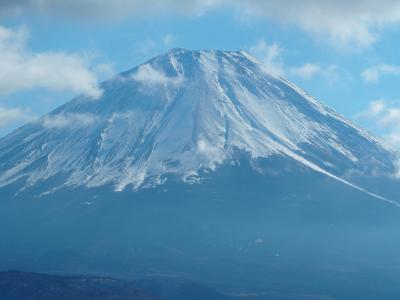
{"points": [[346, 55]]}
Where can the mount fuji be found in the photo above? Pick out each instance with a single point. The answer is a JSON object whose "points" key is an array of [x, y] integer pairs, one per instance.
{"points": [[185, 113], [204, 166]]}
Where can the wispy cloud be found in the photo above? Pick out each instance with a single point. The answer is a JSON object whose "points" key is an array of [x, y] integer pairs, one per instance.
{"points": [[385, 115], [22, 69], [273, 57], [345, 24], [69, 120], [270, 55], [146, 47], [12, 115], [309, 71], [108, 9], [103, 71], [169, 40], [148, 75], [306, 71], [374, 73], [152, 46]]}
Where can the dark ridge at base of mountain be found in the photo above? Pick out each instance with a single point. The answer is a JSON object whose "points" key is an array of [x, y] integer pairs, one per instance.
{"points": [[17, 285]]}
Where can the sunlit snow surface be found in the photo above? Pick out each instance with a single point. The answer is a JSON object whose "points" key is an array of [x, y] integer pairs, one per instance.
{"points": [[182, 112]]}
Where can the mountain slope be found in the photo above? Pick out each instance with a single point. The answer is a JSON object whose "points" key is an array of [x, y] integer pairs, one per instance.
{"points": [[182, 114]]}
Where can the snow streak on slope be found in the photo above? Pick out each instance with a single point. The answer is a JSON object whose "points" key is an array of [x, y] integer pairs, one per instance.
{"points": [[182, 112]]}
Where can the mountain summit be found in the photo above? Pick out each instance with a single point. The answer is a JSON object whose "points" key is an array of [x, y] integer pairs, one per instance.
{"points": [[181, 114]]}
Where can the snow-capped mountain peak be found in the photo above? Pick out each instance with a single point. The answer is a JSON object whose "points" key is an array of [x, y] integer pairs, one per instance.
{"points": [[183, 112]]}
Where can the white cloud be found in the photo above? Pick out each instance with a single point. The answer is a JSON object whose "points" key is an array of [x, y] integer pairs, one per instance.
{"points": [[386, 116], [68, 120], [10, 115], [169, 40], [104, 71], [344, 23], [148, 75], [270, 55], [154, 46], [375, 108], [306, 71], [374, 73], [210, 151], [107, 8], [146, 47], [22, 69]]}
